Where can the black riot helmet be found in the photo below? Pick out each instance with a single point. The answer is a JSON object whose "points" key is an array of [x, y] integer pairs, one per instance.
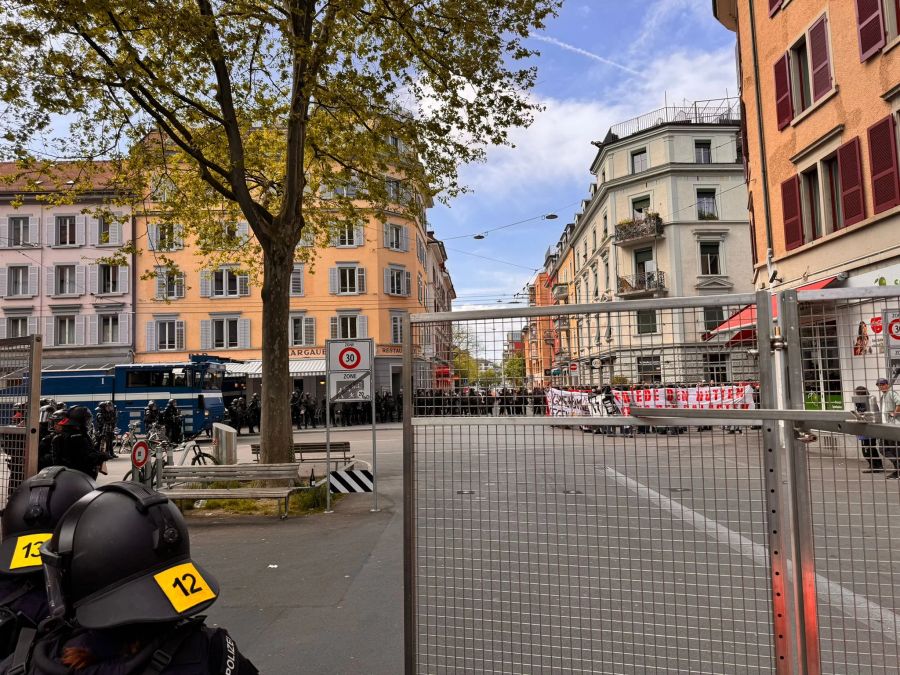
{"points": [[121, 555], [32, 513], [80, 416]]}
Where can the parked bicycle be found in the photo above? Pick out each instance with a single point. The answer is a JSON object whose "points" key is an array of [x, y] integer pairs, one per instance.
{"points": [[166, 452]]}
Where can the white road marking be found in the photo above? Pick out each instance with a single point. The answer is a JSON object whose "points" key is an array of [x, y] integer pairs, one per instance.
{"points": [[852, 605]]}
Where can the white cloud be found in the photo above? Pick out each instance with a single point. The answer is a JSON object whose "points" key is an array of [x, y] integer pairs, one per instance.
{"points": [[665, 15]]}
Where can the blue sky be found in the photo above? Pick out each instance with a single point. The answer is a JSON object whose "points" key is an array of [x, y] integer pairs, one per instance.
{"points": [[602, 62]]}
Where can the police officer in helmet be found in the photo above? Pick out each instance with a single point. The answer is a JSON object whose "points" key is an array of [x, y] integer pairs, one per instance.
{"points": [[73, 446], [29, 518], [171, 419], [124, 593]]}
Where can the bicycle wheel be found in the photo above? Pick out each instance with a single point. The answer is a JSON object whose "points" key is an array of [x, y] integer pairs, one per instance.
{"points": [[203, 458]]}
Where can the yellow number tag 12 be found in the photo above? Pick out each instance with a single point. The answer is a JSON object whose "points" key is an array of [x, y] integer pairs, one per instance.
{"points": [[28, 550], [184, 587]]}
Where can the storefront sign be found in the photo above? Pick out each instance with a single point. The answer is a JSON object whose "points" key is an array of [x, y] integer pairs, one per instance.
{"points": [[307, 352], [389, 350]]}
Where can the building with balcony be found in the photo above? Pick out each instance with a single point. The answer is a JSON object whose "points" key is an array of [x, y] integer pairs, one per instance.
{"points": [[59, 231], [665, 216], [820, 84]]}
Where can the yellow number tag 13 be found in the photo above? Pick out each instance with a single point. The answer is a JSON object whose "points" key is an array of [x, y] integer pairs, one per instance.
{"points": [[28, 550], [184, 587]]}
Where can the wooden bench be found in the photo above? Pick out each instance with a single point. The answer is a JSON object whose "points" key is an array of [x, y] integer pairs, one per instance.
{"points": [[314, 452], [180, 482]]}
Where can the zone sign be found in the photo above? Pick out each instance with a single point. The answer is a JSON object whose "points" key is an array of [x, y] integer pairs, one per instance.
{"points": [[346, 356]]}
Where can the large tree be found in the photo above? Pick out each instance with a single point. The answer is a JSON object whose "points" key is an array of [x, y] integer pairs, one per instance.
{"points": [[268, 111]]}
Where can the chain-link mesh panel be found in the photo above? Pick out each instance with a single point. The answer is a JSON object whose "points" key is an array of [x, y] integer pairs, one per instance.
{"points": [[853, 482], [602, 547], [18, 391]]}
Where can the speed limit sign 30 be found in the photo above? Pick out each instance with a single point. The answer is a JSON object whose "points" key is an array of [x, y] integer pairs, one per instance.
{"points": [[348, 356]]}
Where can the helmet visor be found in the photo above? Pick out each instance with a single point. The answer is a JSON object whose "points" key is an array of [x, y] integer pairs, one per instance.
{"points": [[53, 581]]}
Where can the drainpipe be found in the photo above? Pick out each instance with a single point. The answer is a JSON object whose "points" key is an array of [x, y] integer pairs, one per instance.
{"points": [[764, 166]]}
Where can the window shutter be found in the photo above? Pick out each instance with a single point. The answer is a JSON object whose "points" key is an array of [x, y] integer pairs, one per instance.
{"points": [[244, 333], [404, 239], [870, 25], [820, 59], [32, 325], [50, 278], [387, 235], [33, 272], [309, 331], [161, 285], [243, 230], [79, 230], [362, 326], [179, 285], [205, 283], [123, 279], [4, 278], [80, 274], [124, 328], [774, 6], [784, 106], [93, 279], [79, 329], [34, 230], [115, 233], [334, 328], [243, 284], [306, 239], [94, 330], [3, 328], [93, 231], [387, 280], [361, 280], [50, 231], [178, 236], [151, 336], [4, 232], [359, 235], [179, 335], [297, 281], [333, 239], [49, 325], [883, 161], [407, 286], [850, 168], [791, 210], [333, 284], [206, 334], [153, 236]]}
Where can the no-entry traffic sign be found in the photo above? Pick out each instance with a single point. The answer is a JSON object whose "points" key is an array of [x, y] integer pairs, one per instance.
{"points": [[573, 367], [140, 453]]}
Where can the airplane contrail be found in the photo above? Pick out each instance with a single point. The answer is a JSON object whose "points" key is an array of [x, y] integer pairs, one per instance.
{"points": [[585, 52]]}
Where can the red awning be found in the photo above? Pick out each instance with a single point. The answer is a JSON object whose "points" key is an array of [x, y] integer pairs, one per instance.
{"points": [[745, 319]]}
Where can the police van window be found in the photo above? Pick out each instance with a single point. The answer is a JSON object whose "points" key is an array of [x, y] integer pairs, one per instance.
{"points": [[212, 380], [157, 378], [137, 378]]}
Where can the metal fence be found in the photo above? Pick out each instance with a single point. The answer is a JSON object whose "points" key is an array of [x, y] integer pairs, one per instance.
{"points": [[20, 360], [652, 486]]}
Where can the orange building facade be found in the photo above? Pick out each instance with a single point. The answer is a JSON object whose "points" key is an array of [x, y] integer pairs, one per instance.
{"points": [[820, 84], [539, 336], [360, 286]]}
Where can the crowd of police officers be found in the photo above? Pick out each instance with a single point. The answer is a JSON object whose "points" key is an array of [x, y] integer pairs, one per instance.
{"points": [[101, 580], [483, 402]]}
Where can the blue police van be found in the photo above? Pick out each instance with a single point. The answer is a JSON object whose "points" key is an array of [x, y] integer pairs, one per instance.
{"points": [[196, 387]]}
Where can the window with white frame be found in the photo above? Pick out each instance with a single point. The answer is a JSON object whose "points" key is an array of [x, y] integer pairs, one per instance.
{"points": [[103, 230], [397, 329], [393, 190], [346, 236], [702, 152], [108, 329], [395, 237], [710, 258], [421, 289], [706, 205], [167, 338], [169, 284], [64, 331], [229, 284], [65, 280], [649, 370], [640, 208], [19, 234], [107, 279], [65, 231], [17, 326], [397, 281], [17, 283], [348, 326], [349, 280], [713, 317], [639, 161], [167, 238], [646, 321], [225, 333], [303, 331]]}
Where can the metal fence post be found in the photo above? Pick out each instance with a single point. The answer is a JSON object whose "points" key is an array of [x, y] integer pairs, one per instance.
{"points": [[409, 501], [768, 385], [32, 439], [801, 532]]}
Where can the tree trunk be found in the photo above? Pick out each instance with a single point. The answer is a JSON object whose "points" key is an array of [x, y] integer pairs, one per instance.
{"points": [[276, 439]]}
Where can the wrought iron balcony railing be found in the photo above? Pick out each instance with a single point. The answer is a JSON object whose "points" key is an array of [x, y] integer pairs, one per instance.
{"points": [[639, 228], [649, 282]]}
